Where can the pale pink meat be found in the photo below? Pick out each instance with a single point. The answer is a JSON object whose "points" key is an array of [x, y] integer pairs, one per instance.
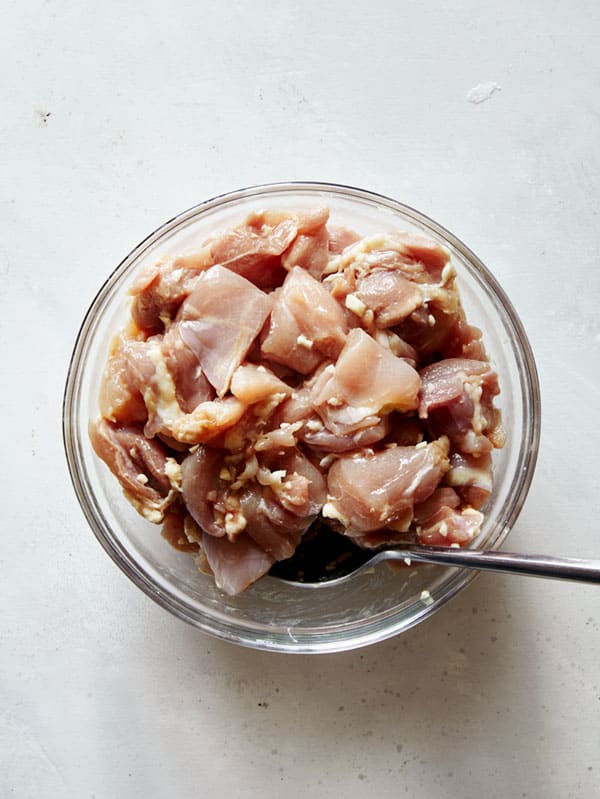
{"points": [[265, 245], [366, 381], [143, 375], [138, 463], [252, 249], [457, 397], [390, 295], [397, 346], [274, 529], [130, 390], [163, 370], [450, 526], [273, 509], [372, 491], [414, 248], [235, 565], [220, 320], [471, 477], [444, 497], [279, 504], [310, 249], [200, 479], [191, 386], [289, 370], [324, 440], [296, 408], [303, 497], [299, 408], [443, 382], [340, 284], [340, 238], [467, 342], [252, 384], [284, 343], [158, 293], [173, 528], [120, 397], [208, 420], [306, 222], [420, 260], [307, 324]]}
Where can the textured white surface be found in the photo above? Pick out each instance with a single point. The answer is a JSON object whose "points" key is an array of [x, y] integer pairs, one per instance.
{"points": [[115, 116]]}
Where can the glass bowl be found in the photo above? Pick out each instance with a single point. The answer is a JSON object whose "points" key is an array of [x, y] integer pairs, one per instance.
{"points": [[273, 615]]}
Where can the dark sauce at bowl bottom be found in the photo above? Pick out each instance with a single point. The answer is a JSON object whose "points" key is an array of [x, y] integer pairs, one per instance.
{"points": [[322, 555]]}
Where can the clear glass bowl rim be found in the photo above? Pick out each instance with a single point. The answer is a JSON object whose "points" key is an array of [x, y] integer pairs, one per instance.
{"points": [[521, 480]]}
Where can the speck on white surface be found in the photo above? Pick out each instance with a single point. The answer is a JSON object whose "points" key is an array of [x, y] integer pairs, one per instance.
{"points": [[115, 116], [482, 92]]}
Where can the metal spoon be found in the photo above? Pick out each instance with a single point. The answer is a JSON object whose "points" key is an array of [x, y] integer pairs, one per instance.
{"points": [[507, 562]]}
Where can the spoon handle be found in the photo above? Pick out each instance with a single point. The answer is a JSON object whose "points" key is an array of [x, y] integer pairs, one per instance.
{"points": [[587, 571]]}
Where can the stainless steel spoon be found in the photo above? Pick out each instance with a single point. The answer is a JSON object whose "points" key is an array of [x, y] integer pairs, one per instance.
{"points": [[587, 571]]}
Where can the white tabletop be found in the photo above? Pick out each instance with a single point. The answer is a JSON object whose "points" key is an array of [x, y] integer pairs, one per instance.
{"points": [[115, 117]]}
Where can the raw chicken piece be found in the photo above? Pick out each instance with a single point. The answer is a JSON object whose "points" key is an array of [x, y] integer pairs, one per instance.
{"points": [[419, 259], [418, 249], [450, 526], [150, 375], [297, 414], [303, 497], [200, 478], [310, 249], [148, 371], [173, 529], [139, 373], [220, 320], [254, 249], [297, 417], [208, 420], [272, 507], [140, 465], [306, 222], [235, 565], [274, 529], [443, 382], [318, 315], [252, 384], [340, 285], [436, 332], [120, 397], [372, 491], [457, 397], [389, 295], [285, 343], [443, 497], [298, 407], [340, 238], [307, 324], [471, 477], [309, 252], [366, 381], [464, 341], [278, 504], [191, 386], [398, 347], [158, 293], [324, 440]]}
